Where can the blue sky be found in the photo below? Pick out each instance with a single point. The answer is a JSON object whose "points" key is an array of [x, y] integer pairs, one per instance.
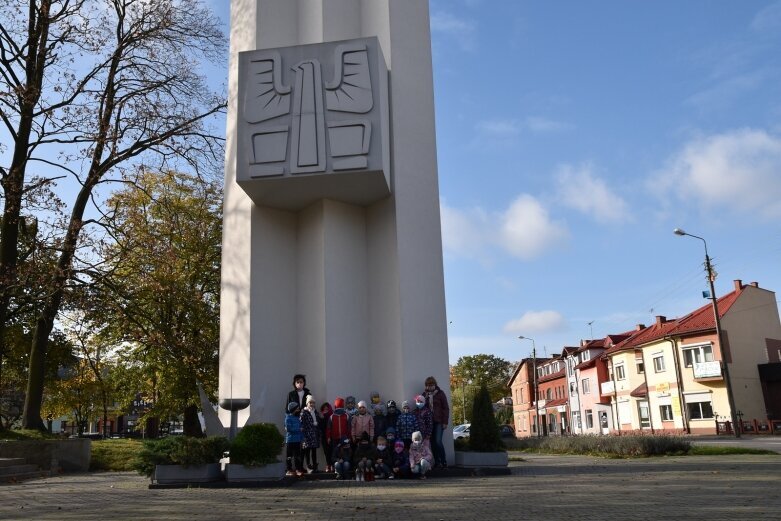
{"points": [[574, 136]]}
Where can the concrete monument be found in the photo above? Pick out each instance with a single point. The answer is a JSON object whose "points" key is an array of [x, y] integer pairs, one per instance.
{"points": [[332, 252]]}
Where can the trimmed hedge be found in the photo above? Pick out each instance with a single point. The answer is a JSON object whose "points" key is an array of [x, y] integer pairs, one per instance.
{"points": [[616, 446]]}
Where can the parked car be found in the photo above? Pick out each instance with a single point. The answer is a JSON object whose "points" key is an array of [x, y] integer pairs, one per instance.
{"points": [[507, 431], [461, 431]]}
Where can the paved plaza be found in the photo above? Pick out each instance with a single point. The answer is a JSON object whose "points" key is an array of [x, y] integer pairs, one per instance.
{"points": [[541, 487]]}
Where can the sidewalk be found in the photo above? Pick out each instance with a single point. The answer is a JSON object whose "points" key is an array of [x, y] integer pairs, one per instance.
{"points": [[541, 487]]}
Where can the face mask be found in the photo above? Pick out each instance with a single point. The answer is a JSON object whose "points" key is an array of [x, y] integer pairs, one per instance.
{"points": [[380, 447], [417, 443], [419, 405], [391, 439]]}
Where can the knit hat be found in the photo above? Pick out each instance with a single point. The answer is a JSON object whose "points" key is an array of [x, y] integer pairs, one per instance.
{"points": [[390, 404], [390, 433], [405, 403], [350, 400], [309, 399], [339, 403], [420, 399], [375, 397], [399, 445], [291, 407], [361, 404], [417, 436]]}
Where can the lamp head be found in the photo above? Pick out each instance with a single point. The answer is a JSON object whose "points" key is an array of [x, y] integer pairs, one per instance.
{"points": [[678, 231]]}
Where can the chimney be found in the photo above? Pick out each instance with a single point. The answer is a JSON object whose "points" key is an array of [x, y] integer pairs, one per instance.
{"points": [[660, 319], [755, 284], [640, 327], [738, 284]]}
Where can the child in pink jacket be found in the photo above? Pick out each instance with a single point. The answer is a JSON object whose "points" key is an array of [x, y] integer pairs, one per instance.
{"points": [[420, 456]]}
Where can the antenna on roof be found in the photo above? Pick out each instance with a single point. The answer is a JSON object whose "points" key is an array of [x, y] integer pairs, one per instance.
{"points": [[591, 330]]}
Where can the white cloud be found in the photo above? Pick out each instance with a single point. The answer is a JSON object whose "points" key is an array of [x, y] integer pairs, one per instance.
{"points": [[583, 191], [536, 322], [464, 232], [527, 230], [735, 171], [498, 128], [768, 19], [541, 125], [447, 24]]}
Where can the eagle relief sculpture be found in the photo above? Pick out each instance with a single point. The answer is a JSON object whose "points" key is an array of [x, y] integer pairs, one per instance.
{"points": [[306, 126]]}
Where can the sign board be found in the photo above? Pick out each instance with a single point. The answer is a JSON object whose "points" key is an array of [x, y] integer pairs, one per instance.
{"points": [[663, 387], [707, 369]]}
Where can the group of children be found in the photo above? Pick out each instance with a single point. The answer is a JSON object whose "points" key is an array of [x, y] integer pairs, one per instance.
{"points": [[374, 442]]}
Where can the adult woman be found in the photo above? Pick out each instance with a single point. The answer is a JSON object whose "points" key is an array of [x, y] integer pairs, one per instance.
{"points": [[437, 402]]}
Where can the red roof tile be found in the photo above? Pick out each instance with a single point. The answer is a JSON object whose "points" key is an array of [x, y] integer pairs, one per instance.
{"points": [[556, 402], [702, 318], [553, 376]]}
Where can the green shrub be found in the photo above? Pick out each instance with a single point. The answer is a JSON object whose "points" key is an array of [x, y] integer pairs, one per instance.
{"points": [[179, 450], [114, 455], [484, 432], [257, 444]]}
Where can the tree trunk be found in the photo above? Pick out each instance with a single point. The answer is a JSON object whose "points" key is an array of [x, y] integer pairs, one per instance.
{"points": [[192, 425]]}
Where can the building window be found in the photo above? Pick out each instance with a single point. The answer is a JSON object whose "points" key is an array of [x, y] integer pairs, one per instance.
{"points": [[698, 354], [534, 425], [645, 414], [576, 420], [659, 364], [525, 424], [589, 419], [586, 386], [551, 423], [549, 394], [640, 365], [699, 410], [620, 373], [666, 412], [573, 388]]}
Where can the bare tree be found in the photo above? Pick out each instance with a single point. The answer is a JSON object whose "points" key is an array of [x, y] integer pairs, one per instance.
{"points": [[130, 94]]}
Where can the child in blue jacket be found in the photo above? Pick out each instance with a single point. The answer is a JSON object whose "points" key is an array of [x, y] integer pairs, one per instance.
{"points": [[295, 464]]}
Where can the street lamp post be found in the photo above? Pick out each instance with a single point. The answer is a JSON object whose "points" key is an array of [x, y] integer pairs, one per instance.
{"points": [[728, 382], [536, 389]]}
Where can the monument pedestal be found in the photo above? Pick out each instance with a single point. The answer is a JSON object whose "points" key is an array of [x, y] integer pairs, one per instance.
{"points": [[332, 252]]}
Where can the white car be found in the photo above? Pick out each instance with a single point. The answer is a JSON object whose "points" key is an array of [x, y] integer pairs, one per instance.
{"points": [[461, 431]]}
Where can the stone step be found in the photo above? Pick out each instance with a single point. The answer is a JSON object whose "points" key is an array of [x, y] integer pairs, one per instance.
{"points": [[15, 478], [17, 469], [10, 462]]}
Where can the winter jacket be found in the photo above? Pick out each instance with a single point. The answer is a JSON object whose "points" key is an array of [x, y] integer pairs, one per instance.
{"points": [[292, 428], [364, 451], [380, 425], [292, 396], [406, 425], [437, 402], [418, 453], [362, 423], [386, 455], [326, 417], [391, 419], [425, 421], [343, 452], [310, 431], [400, 461], [338, 426]]}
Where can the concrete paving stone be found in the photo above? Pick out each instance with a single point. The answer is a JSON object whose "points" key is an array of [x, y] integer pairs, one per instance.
{"points": [[541, 487]]}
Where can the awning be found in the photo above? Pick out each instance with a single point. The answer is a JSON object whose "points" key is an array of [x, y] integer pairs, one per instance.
{"points": [[640, 392]]}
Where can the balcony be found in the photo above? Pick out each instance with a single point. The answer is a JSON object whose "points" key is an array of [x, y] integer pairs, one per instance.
{"points": [[707, 370], [607, 388]]}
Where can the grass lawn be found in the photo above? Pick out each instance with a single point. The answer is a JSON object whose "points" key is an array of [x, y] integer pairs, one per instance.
{"points": [[21, 435], [710, 450]]}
